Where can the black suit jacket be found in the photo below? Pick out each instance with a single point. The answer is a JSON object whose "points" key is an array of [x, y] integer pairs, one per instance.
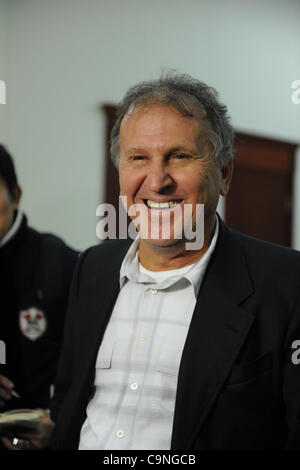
{"points": [[238, 387], [35, 271]]}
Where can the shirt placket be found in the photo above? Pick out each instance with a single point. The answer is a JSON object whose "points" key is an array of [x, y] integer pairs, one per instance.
{"points": [[129, 430]]}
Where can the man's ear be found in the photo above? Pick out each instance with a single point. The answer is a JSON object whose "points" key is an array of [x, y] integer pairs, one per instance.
{"points": [[17, 196], [226, 177]]}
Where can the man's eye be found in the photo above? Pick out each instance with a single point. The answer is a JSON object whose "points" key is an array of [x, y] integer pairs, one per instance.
{"points": [[180, 156], [138, 157]]}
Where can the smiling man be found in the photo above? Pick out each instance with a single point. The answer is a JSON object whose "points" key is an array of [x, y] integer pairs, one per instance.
{"points": [[166, 164], [168, 347]]}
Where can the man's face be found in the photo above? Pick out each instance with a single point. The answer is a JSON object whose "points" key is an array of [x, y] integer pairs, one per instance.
{"points": [[166, 157], [7, 207]]}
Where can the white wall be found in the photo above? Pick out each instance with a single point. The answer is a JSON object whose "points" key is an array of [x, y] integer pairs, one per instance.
{"points": [[66, 57], [3, 66]]}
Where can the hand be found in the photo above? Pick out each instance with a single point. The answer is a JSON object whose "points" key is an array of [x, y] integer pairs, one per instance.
{"points": [[37, 440], [5, 386]]}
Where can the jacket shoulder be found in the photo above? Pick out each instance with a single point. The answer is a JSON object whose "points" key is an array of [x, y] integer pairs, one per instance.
{"points": [[55, 256], [106, 256], [106, 253], [51, 241], [270, 258], [266, 249]]}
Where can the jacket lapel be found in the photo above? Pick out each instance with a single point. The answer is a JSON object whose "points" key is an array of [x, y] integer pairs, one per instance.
{"points": [[217, 332], [100, 295]]}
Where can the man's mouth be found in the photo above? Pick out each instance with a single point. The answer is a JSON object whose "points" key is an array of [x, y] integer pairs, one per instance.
{"points": [[162, 205]]}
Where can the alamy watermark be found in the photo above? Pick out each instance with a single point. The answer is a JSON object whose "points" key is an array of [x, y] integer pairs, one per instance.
{"points": [[166, 221], [296, 94], [2, 92], [296, 354], [2, 352]]}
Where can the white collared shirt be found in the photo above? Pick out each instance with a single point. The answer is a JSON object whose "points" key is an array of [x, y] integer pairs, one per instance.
{"points": [[139, 357]]}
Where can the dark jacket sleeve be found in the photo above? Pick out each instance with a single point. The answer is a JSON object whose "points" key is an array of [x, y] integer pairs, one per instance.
{"points": [[65, 366], [291, 388]]}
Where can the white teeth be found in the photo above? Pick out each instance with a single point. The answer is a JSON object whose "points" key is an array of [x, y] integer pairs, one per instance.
{"points": [[162, 205]]}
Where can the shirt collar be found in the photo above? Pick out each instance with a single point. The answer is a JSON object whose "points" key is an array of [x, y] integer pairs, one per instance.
{"points": [[13, 229], [194, 276]]}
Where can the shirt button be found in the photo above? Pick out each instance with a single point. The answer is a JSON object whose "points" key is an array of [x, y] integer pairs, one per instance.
{"points": [[134, 386], [120, 434], [143, 336], [153, 291]]}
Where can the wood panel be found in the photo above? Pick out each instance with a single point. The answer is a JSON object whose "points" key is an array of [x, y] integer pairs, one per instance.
{"points": [[260, 198], [112, 188]]}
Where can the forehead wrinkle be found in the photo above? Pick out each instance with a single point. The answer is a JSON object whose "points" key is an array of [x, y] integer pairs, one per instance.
{"points": [[146, 125], [153, 111], [150, 128]]}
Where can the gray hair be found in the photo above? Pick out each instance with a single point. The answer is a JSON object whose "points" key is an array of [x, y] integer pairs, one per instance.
{"points": [[187, 95]]}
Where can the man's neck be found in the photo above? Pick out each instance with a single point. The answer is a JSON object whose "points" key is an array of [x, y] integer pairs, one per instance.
{"points": [[163, 258]]}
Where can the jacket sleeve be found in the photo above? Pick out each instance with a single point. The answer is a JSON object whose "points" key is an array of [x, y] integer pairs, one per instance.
{"points": [[65, 365], [291, 377]]}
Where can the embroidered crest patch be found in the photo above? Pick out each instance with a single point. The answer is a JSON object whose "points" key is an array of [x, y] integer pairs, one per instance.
{"points": [[33, 323]]}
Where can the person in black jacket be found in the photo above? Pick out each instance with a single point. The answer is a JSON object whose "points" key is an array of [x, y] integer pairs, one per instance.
{"points": [[167, 347], [35, 275]]}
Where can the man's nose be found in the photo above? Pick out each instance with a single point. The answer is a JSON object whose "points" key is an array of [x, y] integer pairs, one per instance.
{"points": [[159, 177]]}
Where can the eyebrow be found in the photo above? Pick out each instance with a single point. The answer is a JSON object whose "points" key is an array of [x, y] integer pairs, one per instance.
{"points": [[179, 148], [135, 150]]}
